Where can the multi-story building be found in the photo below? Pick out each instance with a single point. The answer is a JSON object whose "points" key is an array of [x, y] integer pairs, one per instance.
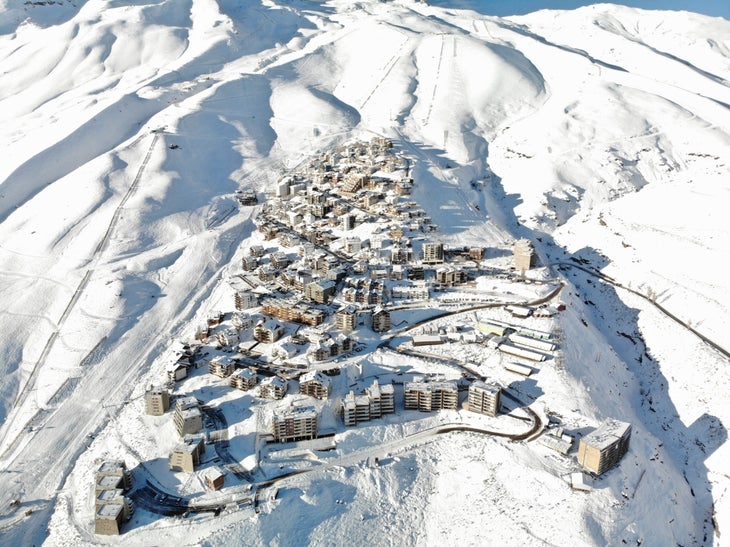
{"points": [[484, 398], [320, 291], [353, 245], [268, 332], [249, 263], [287, 310], [523, 254], [244, 380], [349, 409], [387, 397], [108, 519], [188, 419], [273, 387], [381, 320], [348, 222], [257, 251], [219, 367], [376, 401], [428, 396], [214, 478], [186, 455], [245, 300], [112, 507], [279, 260], [227, 337], [433, 253], [316, 384], [157, 400], [345, 319], [449, 276], [294, 424], [601, 449], [119, 475]]}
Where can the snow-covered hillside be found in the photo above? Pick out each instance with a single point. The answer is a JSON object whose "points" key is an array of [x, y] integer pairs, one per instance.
{"points": [[602, 134]]}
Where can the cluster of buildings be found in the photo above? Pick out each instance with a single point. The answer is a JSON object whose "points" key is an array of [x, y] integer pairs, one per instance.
{"points": [[347, 243], [112, 507]]}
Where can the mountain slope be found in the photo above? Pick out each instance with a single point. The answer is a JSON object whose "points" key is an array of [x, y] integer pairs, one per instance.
{"points": [[601, 133]]}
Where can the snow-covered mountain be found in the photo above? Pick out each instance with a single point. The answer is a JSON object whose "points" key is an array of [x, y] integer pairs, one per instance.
{"points": [[602, 134]]}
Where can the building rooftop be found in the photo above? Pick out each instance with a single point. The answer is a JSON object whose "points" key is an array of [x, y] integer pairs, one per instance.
{"points": [[109, 511], [191, 413], [607, 433], [189, 448], [109, 482], [431, 386], [186, 402], [488, 387], [315, 376], [274, 381], [111, 495], [114, 466], [297, 412]]}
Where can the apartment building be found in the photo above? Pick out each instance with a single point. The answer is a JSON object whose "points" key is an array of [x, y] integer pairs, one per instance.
{"points": [[244, 380], [376, 401], [346, 318], [273, 387], [484, 398], [381, 320], [187, 418], [604, 447], [523, 255], [221, 368], [112, 508], [294, 424], [156, 400], [428, 396], [315, 384], [186, 455], [433, 253]]}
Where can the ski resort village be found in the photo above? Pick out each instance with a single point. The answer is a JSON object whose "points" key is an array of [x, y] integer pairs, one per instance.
{"points": [[346, 334], [386, 272]]}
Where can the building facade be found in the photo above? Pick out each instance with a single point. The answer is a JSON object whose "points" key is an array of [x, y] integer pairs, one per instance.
{"points": [[112, 508], [315, 384], [273, 387], [376, 401], [604, 447], [294, 424], [186, 455], [523, 254], [268, 332], [484, 398], [187, 418], [345, 319], [381, 320], [220, 368], [156, 400], [433, 253], [244, 380], [428, 396]]}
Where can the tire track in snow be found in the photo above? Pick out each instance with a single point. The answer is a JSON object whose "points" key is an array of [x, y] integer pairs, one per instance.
{"points": [[22, 397], [389, 66], [427, 120]]}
